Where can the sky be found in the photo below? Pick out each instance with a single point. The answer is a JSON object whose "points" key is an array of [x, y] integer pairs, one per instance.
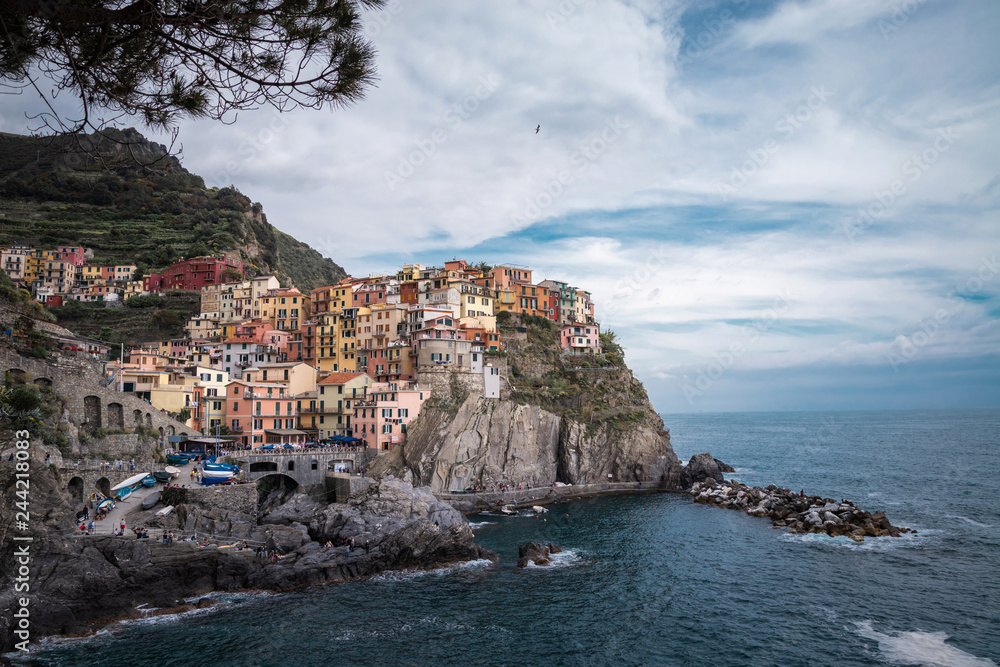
{"points": [[776, 205]]}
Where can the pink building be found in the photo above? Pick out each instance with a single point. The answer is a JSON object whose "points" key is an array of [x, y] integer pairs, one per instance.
{"points": [[381, 417], [581, 338]]}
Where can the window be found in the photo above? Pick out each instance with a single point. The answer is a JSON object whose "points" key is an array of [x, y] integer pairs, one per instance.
{"points": [[386, 428], [236, 407]]}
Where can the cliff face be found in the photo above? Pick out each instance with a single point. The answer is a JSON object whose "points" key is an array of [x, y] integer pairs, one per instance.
{"points": [[553, 423], [489, 441]]}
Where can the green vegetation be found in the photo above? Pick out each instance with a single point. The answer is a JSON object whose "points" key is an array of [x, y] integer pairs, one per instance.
{"points": [[51, 195], [613, 350], [131, 324], [33, 408]]}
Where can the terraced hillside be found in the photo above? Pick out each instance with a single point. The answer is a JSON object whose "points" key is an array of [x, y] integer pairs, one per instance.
{"points": [[52, 193]]}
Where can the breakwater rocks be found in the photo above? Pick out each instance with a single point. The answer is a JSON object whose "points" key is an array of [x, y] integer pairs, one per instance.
{"points": [[799, 513]]}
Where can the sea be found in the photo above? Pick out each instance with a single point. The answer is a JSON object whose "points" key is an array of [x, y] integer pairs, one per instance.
{"points": [[661, 580]]}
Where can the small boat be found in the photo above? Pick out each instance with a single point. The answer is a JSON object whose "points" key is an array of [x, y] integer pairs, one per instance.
{"points": [[178, 459], [220, 467], [149, 501], [172, 471], [106, 504], [148, 480], [131, 481], [539, 508], [216, 476], [162, 477], [124, 493], [165, 511], [507, 509]]}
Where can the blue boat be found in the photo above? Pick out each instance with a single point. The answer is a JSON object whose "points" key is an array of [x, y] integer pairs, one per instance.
{"points": [[220, 467], [124, 493], [148, 480], [107, 504], [178, 459], [209, 477]]}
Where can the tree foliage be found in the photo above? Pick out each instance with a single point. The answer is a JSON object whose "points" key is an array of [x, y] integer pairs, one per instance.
{"points": [[161, 59]]}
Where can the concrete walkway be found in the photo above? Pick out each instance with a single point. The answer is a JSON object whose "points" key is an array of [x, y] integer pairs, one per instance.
{"points": [[114, 518]]}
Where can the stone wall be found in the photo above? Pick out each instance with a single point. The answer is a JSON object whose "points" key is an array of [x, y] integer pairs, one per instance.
{"points": [[89, 403], [341, 487], [240, 498]]}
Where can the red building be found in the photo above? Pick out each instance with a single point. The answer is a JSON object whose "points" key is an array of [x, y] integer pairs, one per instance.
{"points": [[72, 254], [193, 274]]}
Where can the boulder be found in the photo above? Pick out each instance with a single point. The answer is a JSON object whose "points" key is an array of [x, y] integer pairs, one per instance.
{"points": [[535, 552], [702, 467]]}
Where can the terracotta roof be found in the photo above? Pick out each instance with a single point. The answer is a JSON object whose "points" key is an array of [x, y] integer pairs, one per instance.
{"points": [[341, 378], [241, 340]]}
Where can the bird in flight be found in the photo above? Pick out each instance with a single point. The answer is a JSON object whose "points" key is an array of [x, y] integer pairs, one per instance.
{"points": [[537, 129]]}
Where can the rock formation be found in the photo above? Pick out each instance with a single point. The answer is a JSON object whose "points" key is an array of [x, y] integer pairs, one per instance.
{"points": [[799, 513], [78, 580], [536, 553]]}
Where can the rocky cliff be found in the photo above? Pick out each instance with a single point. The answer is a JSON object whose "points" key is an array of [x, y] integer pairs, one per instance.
{"points": [[558, 420], [78, 583]]}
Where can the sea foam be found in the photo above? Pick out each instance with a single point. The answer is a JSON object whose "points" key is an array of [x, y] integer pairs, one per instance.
{"points": [[927, 649]]}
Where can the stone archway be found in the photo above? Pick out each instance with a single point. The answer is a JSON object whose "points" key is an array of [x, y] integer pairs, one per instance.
{"points": [[17, 375], [171, 430], [149, 420], [43, 382], [103, 485], [75, 488], [137, 415], [92, 412], [263, 466], [268, 484], [161, 433], [116, 415]]}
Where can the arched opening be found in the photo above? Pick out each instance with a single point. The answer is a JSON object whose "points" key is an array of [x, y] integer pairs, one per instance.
{"points": [[116, 415], [274, 489], [17, 375], [149, 420], [92, 412], [75, 488], [171, 430], [291, 466], [161, 433], [137, 415], [43, 382], [104, 486], [315, 464], [264, 466]]}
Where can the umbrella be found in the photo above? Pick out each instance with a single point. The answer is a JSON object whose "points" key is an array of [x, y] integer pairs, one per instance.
{"points": [[351, 440]]}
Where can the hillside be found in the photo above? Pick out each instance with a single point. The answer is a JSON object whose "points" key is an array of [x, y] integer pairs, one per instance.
{"points": [[54, 193]]}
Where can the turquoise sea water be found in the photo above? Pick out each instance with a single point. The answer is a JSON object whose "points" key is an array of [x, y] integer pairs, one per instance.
{"points": [[660, 580]]}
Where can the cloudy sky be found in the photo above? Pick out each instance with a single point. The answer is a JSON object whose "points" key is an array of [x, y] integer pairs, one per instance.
{"points": [[777, 205]]}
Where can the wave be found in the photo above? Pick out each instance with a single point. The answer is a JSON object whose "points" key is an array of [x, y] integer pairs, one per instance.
{"points": [[968, 520], [479, 524], [565, 558], [927, 649], [876, 544], [405, 575]]}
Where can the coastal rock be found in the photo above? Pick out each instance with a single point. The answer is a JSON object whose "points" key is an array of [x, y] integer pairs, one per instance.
{"points": [[797, 512], [83, 580], [702, 467], [489, 442], [537, 553]]}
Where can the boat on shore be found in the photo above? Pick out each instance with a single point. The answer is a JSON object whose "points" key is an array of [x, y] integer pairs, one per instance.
{"points": [[124, 493], [178, 459], [220, 467], [107, 504], [165, 511], [172, 471], [149, 480], [150, 501], [209, 477], [162, 477], [131, 481]]}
